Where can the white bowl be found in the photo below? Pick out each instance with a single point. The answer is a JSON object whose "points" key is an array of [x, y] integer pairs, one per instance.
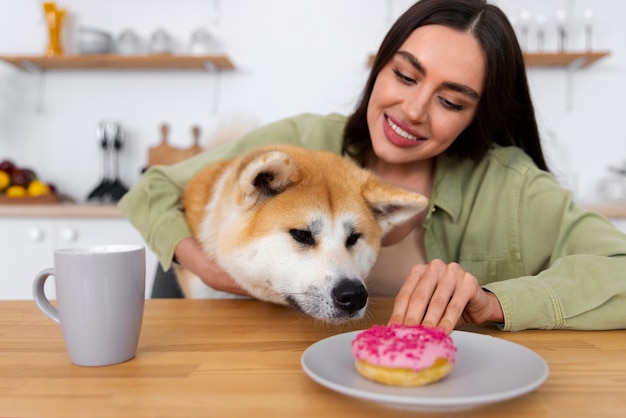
{"points": [[94, 41]]}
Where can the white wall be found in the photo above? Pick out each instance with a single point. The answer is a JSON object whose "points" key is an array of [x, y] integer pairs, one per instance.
{"points": [[291, 57]]}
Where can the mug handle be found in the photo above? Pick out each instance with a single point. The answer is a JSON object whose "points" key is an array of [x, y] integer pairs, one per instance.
{"points": [[40, 296]]}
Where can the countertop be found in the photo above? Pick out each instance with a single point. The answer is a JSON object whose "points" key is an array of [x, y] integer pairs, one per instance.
{"points": [[61, 210], [74, 210]]}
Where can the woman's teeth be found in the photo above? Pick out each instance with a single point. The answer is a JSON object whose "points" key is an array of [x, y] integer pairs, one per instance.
{"points": [[401, 132]]}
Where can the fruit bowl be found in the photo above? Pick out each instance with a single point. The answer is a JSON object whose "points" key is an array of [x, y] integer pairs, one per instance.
{"points": [[22, 186]]}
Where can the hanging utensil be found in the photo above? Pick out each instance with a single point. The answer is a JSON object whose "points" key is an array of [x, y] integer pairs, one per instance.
{"points": [[111, 188], [117, 189], [101, 189]]}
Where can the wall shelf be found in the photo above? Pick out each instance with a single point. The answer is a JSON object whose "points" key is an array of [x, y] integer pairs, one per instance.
{"points": [[563, 59], [549, 59], [120, 62]]}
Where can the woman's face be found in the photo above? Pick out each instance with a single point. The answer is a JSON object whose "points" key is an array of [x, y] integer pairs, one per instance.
{"points": [[426, 95]]}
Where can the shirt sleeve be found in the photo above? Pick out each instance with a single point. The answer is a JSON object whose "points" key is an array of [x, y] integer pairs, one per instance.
{"points": [[579, 258]]}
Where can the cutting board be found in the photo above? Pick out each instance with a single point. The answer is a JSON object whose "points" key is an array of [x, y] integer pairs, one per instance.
{"points": [[165, 154]]}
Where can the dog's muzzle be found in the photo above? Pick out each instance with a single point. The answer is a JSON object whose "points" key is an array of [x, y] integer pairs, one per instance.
{"points": [[349, 295]]}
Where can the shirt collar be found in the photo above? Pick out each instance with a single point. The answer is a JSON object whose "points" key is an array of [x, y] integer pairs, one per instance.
{"points": [[450, 174]]}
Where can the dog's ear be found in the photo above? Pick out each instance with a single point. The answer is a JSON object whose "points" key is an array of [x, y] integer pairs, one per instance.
{"points": [[266, 174], [391, 205]]}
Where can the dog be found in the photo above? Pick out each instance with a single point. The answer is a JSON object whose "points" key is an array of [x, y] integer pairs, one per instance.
{"points": [[294, 227]]}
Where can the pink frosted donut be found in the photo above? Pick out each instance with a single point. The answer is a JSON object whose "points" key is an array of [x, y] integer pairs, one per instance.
{"points": [[403, 355]]}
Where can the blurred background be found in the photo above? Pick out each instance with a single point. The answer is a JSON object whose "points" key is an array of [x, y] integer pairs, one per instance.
{"points": [[288, 57], [141, 81]]}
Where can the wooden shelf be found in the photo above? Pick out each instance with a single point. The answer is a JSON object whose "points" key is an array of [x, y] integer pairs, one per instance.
{"points": [[562, 60], [120, 62]]}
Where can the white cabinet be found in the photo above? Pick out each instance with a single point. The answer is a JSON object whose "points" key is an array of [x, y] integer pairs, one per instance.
{"points": [[27, 246]]}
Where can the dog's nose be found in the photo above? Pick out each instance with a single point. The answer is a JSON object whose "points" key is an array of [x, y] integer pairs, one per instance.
{"points": [[350, 295]]}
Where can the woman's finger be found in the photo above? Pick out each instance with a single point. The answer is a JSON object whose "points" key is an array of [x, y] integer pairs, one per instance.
{"points": [[403, 298], [416, 293], [442, 294], [465, 288]]}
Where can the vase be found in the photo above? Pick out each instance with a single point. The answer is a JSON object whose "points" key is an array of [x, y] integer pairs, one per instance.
{"points": [[54, 19]]}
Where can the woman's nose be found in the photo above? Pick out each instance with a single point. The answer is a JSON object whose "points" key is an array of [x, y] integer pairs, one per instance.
{"points": [[416, 107]]}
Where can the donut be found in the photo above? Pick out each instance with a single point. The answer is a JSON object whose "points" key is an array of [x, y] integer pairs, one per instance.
{"points": [[403, 355]]}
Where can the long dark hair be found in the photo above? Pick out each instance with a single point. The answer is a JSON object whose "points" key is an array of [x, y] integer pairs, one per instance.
{"points": [[505, 113]]}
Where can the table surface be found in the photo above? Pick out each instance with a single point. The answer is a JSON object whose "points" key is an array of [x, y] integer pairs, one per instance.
{"points": [[242, 358]]}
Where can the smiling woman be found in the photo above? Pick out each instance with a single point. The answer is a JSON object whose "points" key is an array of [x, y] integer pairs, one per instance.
{"points": [[504, 76], [446, 112], [420, 103]]}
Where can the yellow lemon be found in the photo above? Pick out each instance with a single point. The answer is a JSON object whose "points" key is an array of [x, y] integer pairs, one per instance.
{"points": [[38, 188], [16, 191], [5, 180]]}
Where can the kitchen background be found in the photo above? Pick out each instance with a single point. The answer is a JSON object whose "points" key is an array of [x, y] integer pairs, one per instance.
{"points": [[289, 57]]}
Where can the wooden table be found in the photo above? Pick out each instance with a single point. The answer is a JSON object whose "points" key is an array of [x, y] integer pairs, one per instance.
{"points": [[221, 358]]}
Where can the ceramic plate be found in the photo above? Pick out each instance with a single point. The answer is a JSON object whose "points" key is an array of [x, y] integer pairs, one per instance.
{"points": [[487, 370]]}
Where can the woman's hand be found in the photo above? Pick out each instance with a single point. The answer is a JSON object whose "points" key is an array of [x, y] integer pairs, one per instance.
{"points": [[444, 296], [189, 254]]}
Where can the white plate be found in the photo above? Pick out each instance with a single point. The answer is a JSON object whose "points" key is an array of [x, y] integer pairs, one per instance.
{"points": [[487, 370]]}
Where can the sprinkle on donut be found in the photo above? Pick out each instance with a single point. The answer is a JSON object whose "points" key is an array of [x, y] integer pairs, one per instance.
{"points": [[403, 346]]}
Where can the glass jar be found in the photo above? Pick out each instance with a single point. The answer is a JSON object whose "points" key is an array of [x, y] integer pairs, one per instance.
{"points": [[128, 43], [160, 42]]}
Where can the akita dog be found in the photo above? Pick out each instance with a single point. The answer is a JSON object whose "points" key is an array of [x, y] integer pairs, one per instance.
{"points": [[294, 227]]}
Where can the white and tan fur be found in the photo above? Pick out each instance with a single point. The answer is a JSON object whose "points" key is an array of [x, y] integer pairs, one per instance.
{"points": [[294, 227]]}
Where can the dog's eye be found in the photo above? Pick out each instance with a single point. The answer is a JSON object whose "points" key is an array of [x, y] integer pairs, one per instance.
{"points": [[303, 236], [352, 239]]}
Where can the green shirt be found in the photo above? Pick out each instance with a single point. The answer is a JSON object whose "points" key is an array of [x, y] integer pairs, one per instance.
{"points": [[550, 263]]}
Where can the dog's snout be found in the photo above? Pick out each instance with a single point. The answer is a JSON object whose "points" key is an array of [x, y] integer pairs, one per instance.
{"points": [[350, 295]]}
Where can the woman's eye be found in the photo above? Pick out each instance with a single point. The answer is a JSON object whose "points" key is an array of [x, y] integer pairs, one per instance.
{"points": [[449, 105], [403, 78]]}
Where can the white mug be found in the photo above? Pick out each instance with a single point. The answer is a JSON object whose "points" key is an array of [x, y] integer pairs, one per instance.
{"points": [[100, 299]]}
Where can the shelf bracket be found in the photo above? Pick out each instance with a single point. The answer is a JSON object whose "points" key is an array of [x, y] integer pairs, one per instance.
{"points": [[31, 68], [576, 65], [211, 68]]}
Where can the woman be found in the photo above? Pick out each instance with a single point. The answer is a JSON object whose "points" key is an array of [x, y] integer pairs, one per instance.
{"points": [[446, 112]]}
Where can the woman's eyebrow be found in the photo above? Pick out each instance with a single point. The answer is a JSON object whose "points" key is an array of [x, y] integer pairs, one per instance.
{"points": [[461, 88], [412, 59]]}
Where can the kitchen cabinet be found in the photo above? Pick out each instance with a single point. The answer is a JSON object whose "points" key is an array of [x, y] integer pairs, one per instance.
{"points": [[27, 246]]}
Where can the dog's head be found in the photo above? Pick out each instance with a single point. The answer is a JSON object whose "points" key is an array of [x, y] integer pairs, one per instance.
{"points": [[304, 228]]}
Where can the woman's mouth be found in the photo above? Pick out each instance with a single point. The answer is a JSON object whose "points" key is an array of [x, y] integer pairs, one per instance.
{"points": [[399, 136]]}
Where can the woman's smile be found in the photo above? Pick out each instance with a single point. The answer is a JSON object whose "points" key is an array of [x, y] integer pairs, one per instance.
{"points": [[401, 136]]}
